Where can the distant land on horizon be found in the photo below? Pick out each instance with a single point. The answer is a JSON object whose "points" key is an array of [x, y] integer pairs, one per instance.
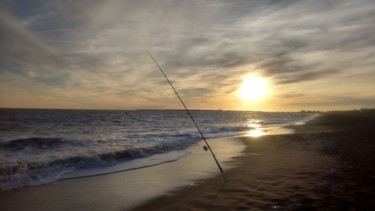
{"points": [[152, 109]]}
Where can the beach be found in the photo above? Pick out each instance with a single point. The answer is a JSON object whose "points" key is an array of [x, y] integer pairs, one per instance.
{"points": [[275, 173], [326, 164]]}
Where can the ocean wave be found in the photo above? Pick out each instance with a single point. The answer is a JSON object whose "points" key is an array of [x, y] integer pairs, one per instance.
{"points": [[38, 143], [26, 172]]}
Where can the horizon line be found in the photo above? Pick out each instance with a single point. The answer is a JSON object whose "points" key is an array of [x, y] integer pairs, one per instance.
{"points": [[181, 109]]}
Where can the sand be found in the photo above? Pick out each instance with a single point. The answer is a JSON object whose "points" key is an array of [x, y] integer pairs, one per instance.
{"points": [[328, 164], [275, 173]]}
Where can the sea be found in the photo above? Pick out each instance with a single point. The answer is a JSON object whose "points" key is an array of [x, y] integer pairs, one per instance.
{"points": [[39, 146]]}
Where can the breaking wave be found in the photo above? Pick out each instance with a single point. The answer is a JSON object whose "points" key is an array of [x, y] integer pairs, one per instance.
{"points": [[68, 155]]}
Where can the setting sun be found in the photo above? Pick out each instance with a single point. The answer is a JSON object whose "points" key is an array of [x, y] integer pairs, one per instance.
{"points": [[253, 89]]}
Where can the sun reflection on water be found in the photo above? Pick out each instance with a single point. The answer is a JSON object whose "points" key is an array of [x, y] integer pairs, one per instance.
{"points": [[258, 128], [256, 132]]}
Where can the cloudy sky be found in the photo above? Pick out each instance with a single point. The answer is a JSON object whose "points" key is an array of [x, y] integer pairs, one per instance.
{"points": [[92, 53]]}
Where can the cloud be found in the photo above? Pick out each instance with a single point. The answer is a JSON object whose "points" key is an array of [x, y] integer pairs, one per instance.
{"points": [[96, 48], [292, 95]]}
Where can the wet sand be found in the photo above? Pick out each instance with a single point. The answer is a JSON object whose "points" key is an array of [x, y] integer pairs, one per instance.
{"points": [[276, 172], [327, 165], [123, 190]]}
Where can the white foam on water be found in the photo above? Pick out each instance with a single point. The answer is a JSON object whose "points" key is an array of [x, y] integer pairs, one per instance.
{"points": [[138, 163]]}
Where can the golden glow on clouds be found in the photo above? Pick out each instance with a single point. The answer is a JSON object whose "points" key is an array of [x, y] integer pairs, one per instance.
{"points": [[253, 89], [100, 62]]}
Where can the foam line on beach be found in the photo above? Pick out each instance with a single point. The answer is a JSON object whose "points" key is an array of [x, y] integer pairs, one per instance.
{"points": [[135, 164], [148, 183]]}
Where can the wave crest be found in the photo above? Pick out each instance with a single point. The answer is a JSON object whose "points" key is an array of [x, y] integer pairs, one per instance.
{"points": [[27, 173], [37, 143]]}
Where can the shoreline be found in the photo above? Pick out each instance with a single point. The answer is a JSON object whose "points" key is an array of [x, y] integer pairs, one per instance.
{"points": [[313, 169], [126, 189], [273, 170]]}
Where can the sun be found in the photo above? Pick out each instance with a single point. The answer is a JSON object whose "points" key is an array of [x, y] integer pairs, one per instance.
{"points": [[253, 89]]}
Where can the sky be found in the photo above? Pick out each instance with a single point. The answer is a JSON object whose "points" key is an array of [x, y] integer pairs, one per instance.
{"points": [[92, 54]]}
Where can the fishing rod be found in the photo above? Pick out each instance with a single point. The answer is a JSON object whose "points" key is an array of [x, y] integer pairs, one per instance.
{"points": [[192, 118]]}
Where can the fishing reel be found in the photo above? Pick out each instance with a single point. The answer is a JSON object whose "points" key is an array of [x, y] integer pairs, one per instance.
{"points": [[205, 148]]}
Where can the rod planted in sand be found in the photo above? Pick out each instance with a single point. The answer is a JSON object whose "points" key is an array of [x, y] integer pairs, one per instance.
{"points": [[191, 117]]}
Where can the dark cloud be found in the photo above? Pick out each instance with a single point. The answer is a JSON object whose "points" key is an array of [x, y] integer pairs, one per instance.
{"points": [[24, 54], [194, 92], [55, 80]]}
